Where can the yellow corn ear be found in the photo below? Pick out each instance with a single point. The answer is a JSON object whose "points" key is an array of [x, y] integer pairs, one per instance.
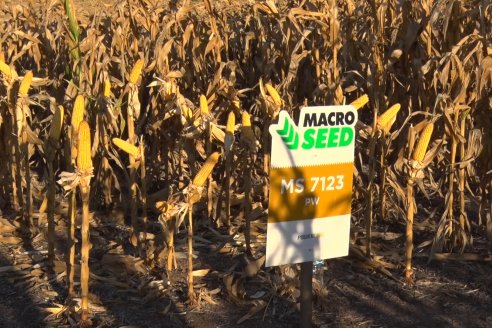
{"points": [[231, 123], [247, 134], [136, 71], [44, 205], [170, 88], [5, 69], [78, 112], [107, 88], [203, 106], [246, 119], [236, 103], [56, 124], [162, 206], [386, 119], [421, 149], [84, 160], [360, 102], [126, 147], [274, 94], [206, 170], [25, 84]]}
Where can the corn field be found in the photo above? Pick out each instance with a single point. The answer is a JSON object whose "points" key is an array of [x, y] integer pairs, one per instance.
{"points": [[136, 135]]}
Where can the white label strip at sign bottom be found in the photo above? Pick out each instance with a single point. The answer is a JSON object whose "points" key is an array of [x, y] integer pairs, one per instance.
{"points": [[307, 240]]}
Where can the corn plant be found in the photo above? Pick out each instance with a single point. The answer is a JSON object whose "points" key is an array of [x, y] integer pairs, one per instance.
{"points": [[194, 194], [84, 167], [416, 164]]}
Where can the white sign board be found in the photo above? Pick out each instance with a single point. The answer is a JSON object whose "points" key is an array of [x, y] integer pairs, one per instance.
{"points": [[311, 185]]}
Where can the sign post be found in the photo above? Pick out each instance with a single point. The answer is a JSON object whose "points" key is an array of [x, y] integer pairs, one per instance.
{"points": [[310, 190]]}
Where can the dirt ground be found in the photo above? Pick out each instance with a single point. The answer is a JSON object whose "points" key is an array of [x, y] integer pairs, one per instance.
{"points": [[127, 293]]}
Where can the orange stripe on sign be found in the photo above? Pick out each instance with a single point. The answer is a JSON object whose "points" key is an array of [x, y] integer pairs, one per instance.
{"points": [[309, 192]]}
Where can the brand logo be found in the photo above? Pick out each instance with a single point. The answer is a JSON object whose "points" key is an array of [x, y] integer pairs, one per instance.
{"points": [[317, 129]]}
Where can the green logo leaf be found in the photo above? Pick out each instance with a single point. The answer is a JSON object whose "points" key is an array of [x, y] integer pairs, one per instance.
{"points": [[289, 134]]}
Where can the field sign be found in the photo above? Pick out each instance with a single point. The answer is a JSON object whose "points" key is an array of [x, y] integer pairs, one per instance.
{"points": [[311, 185]]}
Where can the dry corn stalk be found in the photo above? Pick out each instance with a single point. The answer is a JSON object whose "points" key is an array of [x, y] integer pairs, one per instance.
{"points": [[10, 75], [77, 117], [205, 118], [22, 112], [228, 143], [143, 191], [247, 135], [84, 166], [51, 145], [194, 194], [133, 112], [415, 166], [384, 124], [249, 139]]}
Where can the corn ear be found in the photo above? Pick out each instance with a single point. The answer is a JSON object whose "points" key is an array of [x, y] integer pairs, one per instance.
{"points": [[25, 84], [170, 88], [5, 69], [84, 160], [72, 20], [78, 112], [203, 106], [236, 103], [206, 170], [385, 121], [421, 149], [56, 125], [246, 119], [136, 71], [231, 122], [44, 205], [126, 147], [274, 94], [360, 102], [247, 134], [163, 206], [107, 88]]}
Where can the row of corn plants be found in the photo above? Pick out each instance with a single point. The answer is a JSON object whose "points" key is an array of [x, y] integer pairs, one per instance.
{"points": [[169, 107]]}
